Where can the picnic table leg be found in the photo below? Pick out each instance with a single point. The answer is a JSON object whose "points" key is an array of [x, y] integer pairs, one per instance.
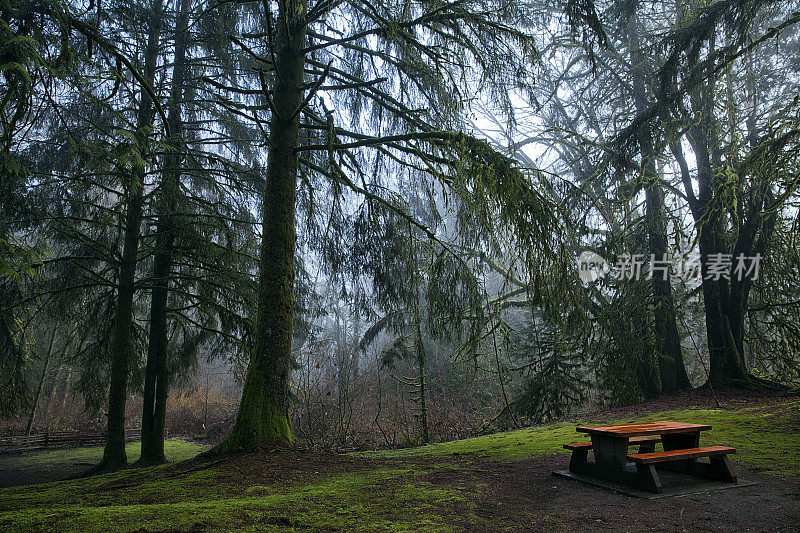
{"points": [[647, 478], [721, 468], [579, 461], [680, 441], [718, 469], [610, 462], [609, 455], [647, 447]]}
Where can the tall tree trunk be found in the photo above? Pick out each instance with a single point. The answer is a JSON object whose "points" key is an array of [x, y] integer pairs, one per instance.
{"points": [[263, 416], [156, 383], [62, 403], [725, 299], [342, 346], [114, 455], [41, 382], [668, 342], [355, 360], [726, 362], [645, 365], [672, 370], [423, 406]]}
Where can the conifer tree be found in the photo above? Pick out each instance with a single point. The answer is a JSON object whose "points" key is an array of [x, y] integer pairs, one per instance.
{"points": [[398, 77]]}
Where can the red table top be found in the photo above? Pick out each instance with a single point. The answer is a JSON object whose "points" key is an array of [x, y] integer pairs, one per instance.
{"points": [[644, 428]]}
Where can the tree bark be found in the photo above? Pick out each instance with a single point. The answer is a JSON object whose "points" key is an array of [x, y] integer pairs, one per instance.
{"points": [[355, 360], [342, 347], [62, 403], [114, 455], [646, 367], [672, 370], [726, 362], [263, 416], [423, 406], [41, 383], [156, 384]]}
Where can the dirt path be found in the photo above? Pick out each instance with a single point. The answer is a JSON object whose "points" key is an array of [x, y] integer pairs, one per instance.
{"points": [[26, 468], [40, 466]]}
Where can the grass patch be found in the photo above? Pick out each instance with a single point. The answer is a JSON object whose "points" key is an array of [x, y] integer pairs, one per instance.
{"points": [[764, 436], [175, 449], [399, 490], [511, 445], [127, 487], [380, 500]]}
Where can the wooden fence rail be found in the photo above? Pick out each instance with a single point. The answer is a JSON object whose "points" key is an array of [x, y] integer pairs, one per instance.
{"points": [[59, 439]]}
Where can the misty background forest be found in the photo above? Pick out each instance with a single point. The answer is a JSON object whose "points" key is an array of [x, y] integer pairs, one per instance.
{"points": [[347, 225]]}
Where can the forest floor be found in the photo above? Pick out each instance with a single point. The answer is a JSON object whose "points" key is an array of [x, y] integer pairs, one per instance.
{"points": [[51, 465], [496, 482]]}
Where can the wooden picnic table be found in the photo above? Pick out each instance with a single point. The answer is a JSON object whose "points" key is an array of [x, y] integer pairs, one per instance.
{"points": [[681, 443]]}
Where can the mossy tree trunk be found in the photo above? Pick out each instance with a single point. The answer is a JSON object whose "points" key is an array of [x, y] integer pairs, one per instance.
{"points": [[725, 354], [645, 366], [114, 455], [672, 371], [156, 385], [726, 361], [263, 416], [343, 360]]}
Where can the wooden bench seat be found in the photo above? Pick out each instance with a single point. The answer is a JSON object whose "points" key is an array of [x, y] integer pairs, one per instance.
{"points": [[635, 441], [611, 447], [691, 453], [683, 461]]}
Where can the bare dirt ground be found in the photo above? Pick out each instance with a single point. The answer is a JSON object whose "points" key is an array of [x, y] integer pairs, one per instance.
{"points": [[525, 496], [13, 472], [518, 495]]}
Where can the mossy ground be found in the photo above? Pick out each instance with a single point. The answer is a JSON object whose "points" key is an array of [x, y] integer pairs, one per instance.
{"points": [[765, 436], [175, 450], [468, 484]]}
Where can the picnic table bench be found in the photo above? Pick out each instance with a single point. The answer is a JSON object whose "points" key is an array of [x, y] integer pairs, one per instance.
{"points": [[681, 444]]}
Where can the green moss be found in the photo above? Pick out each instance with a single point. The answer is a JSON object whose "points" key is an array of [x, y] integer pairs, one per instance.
{"points": [[763, 436], [381, 500], [396, 495], [175, 450], [152, 485], [259, 421], [519, 444]]}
